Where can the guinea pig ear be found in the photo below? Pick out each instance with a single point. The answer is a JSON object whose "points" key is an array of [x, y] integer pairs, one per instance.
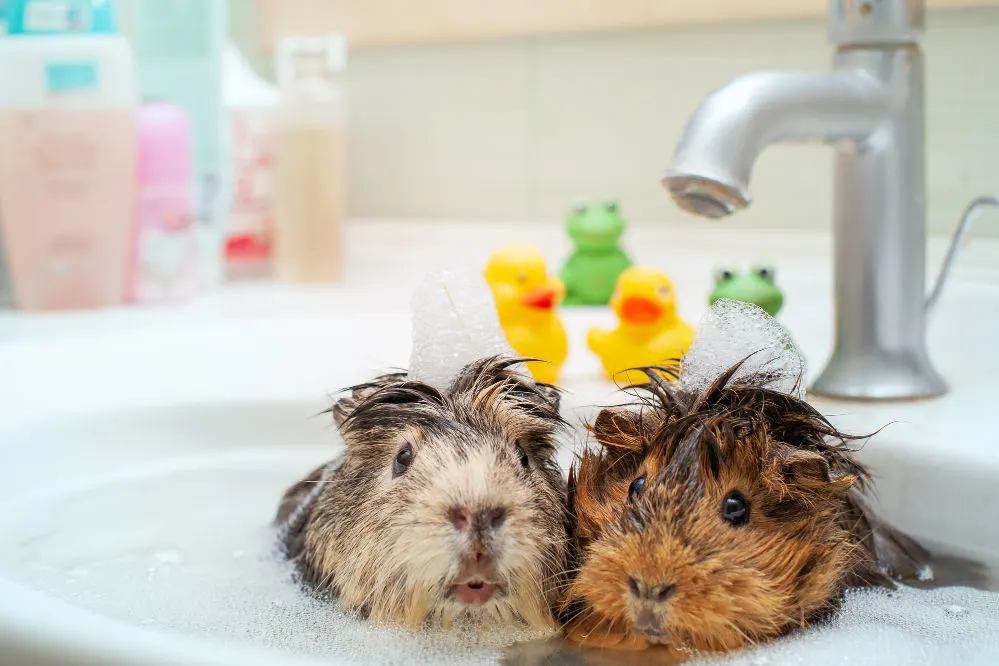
{"points": [[811, 469], [620, 428], [343, 407], [551, 394]]}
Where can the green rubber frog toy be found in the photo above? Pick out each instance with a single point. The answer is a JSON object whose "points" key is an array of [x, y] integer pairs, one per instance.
{"points": [[591, 271], [757, 287]]}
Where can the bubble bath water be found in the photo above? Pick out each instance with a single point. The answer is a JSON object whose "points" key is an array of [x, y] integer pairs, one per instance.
{"points": [[189, 549], [192, 551]]}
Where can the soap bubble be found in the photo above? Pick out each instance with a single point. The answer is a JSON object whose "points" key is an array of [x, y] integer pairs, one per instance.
{"points": [[454, 323], [734, 330], [905, 627]]}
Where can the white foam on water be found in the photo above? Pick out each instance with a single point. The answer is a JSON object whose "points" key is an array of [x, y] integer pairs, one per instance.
{"points": [[732, 331], [908, 627], [193, 552], [454, 322]]}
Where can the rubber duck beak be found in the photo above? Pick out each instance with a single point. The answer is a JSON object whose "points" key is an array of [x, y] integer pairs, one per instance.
{"points": [[542, 298], [640, 310]]}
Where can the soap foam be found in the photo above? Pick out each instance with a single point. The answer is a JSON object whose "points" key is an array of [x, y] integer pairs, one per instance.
{"points": [[733, 331], [454, 323], [908, 627]]}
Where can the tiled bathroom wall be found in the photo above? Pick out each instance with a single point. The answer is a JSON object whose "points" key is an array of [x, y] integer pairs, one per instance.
{"points": [[520, 129]]}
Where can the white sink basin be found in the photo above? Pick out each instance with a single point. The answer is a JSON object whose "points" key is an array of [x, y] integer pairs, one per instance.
{"points": [[142, 453]]}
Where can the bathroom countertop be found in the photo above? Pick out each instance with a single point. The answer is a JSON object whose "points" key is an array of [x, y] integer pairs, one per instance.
{"points": [[386, 257]]}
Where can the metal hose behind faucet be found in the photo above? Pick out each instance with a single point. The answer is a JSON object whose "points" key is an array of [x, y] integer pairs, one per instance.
{"points": [[955, 244]]}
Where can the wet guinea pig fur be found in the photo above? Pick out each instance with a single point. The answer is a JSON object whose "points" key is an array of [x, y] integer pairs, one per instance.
{"points": [[446, 504], [715, 520]]}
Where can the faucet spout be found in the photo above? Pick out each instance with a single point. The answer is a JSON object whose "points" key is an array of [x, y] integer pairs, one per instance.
{"points": [[713, 161], [870, 109]]}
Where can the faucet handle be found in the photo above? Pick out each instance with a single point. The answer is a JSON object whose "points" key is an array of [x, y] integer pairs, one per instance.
{"points": [[853, 22], [962, 230]]}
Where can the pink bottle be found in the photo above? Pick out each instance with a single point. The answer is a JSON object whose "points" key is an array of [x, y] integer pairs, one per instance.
{"points": [[165, 251]]}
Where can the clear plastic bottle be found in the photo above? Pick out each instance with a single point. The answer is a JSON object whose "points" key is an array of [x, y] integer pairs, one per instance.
{"points": [[309, 188], [252, 104]]}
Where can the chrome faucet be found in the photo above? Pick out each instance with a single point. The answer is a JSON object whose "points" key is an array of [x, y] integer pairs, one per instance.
{"points": [[870, 107]]}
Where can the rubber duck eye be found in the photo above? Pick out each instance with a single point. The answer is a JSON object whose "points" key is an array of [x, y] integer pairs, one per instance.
{"points": [[735, 509], [521, 277], [525, 462], [663, 292], [636, 488], [403, 459]]}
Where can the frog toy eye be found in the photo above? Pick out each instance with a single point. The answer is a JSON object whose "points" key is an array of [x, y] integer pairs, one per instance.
{"points": [[611, 206], [765, 273], [724, 275]]}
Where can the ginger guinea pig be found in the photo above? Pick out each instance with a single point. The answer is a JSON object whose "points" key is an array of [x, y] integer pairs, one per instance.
{"points": [[446, 504], [716, 520]]}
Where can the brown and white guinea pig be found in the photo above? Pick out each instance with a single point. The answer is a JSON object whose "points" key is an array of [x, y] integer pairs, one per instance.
{"points": [[718, 519], [447, 505]]}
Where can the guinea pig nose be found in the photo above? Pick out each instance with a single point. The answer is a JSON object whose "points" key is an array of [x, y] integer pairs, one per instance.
{"points": [[462, 519], [654, 593], [465, 520], [495, 517], [649, 624], [663, 592]]}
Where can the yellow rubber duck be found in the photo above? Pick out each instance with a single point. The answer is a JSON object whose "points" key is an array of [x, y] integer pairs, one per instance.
{"points": [[649, 332], [526, 297]]}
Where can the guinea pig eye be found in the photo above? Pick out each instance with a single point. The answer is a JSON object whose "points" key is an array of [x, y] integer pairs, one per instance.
{"points": [[403, 459], [636, 488], [525, 462], [735, 509]]}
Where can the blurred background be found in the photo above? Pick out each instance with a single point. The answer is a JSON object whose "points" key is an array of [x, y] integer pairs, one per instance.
{"points": [[517, 108], [462, 110]]}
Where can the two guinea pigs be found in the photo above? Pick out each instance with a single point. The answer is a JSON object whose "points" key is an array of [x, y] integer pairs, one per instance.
{"points": [[704, 520]]}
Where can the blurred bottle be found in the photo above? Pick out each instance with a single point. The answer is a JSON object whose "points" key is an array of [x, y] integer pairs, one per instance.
{"points": [[252, 104], [310, 154], [67, 167], [165, 259], [6, 292], [6, 295], [179, 46]]}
